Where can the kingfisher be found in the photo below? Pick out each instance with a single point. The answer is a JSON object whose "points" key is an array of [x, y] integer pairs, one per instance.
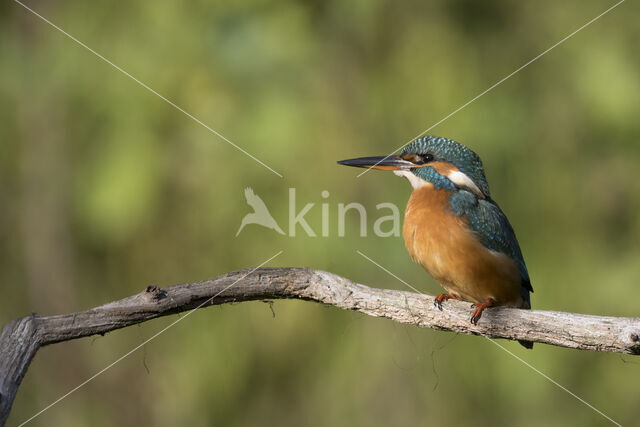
{"points": [[454, 229]]}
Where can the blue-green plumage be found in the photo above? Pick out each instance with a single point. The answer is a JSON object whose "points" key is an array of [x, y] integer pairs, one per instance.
{"points": [[448, 150], [484, 216], [454, 229], [439, 182]]}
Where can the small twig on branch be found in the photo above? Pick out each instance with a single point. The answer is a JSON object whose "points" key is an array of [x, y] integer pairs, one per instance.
{"points": [[21, 338]]}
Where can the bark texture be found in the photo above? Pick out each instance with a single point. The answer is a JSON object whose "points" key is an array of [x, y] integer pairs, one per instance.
{"points": [[21, 338]]}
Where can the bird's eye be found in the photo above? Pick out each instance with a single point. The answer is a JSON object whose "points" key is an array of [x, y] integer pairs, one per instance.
{"points": [[426, 158], [421, 159], [418, 159]]}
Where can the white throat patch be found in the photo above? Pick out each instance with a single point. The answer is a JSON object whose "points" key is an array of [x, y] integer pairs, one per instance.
{"points": [[415, 181]]}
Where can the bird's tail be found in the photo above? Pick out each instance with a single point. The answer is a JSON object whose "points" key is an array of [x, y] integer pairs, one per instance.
{"points": [[526, 344], [527, 306]]}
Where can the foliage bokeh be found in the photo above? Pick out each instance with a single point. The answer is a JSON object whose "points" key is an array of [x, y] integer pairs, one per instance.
{"points": [[106, 189]]}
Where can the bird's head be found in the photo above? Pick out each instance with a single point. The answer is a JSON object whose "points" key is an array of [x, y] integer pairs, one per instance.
{"points": [[431, 160]]}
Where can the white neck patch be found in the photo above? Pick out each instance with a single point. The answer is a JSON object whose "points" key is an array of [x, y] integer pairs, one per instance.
{"points": [[462, 180]]}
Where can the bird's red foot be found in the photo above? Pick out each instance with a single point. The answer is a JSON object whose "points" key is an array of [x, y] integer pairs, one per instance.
{"points": [[443, 297], [477, 313]]}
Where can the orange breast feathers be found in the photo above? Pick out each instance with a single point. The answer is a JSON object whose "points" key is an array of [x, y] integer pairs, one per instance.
{"points": [[445, 246]]}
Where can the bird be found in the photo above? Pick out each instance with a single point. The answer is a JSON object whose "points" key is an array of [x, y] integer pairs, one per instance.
{"points": [[260, 214], [454, 229]]}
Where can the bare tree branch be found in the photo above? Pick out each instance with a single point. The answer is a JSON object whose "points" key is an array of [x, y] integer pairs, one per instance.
{"points": [[21, 338]]}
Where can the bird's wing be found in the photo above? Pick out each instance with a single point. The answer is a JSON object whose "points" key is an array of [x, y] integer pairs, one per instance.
{"points": [[487, 219], [249, 194]]}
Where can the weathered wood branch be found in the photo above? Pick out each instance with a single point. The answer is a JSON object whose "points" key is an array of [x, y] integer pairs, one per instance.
{"points": [[21, 338]]}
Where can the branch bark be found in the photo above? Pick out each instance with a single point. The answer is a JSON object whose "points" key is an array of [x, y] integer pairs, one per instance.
{"points": [[21, 338]]}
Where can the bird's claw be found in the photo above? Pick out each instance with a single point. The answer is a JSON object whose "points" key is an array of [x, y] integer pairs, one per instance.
{"points": [[437, 301], [474, 319], [479, 308]]}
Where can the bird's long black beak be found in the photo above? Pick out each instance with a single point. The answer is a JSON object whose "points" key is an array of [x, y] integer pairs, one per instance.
{"points": [[388, 163]]}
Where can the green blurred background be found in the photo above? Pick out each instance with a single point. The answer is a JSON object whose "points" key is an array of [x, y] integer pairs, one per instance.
{"points": [[105, 189]]}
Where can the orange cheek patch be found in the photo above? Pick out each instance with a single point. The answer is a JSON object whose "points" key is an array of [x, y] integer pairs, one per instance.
{"points": [[410, 158], [443, 168]]}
